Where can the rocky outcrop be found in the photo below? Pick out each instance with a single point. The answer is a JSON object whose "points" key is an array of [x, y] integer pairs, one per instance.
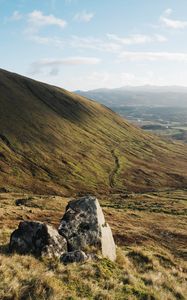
{"points": [[82, 232], [84, 226], [38, 239]]}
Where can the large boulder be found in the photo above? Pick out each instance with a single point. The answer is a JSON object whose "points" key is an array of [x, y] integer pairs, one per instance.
{"points": [[84, 226], [38, 239]]}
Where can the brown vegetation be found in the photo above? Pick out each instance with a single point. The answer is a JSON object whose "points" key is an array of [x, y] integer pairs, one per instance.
{"points": [[151, 262]]}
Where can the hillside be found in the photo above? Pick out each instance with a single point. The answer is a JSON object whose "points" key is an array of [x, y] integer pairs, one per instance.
{"points": [[53, 141]]}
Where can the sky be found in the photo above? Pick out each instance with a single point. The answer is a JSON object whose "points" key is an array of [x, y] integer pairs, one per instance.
{"points": [[89, 44]]}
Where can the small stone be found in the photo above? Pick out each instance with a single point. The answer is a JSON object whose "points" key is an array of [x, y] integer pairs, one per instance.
{"points": [[73, 257], [20, 202]]}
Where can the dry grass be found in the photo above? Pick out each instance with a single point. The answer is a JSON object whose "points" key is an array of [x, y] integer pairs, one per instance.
{"points": [[137, 274], [150, 260], [152, 220]]}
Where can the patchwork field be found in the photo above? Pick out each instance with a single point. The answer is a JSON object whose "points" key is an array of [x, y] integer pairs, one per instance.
{"points": [[168, 122]]}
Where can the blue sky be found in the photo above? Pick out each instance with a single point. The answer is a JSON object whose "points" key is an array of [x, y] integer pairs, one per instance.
{"points": [[88, 44]]}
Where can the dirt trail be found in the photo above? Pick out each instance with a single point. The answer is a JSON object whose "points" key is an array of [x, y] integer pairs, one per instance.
{"points": [[115, 170]]}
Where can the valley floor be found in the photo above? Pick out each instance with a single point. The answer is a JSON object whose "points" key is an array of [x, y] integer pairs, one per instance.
{"points": [[150, 231]]}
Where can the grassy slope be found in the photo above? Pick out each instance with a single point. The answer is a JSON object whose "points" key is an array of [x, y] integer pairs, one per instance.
{"points": [[149, 229], [56, 142]]}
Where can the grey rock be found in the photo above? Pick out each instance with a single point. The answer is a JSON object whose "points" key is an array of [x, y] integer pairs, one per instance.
{"points": [[84, 226], [3, 190], [38, 239], [20, 202], [74, 257]]}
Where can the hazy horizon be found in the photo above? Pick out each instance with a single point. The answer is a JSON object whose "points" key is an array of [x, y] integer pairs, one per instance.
{"points": [[125, 87]]}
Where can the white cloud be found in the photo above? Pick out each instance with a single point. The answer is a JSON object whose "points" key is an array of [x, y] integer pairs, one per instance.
{"points": [[111, 43], [76, 42], [153, 56], [38, 19], [16, 16], [136, 39], [71, 61], [106, 79], [54, 64], [103, 79], [84, 16], [172, 23], [43, 40], [40, 39], [94, 43]]}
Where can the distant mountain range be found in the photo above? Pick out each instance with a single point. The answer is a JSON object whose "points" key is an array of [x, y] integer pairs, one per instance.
{"points": [[141, 95]]}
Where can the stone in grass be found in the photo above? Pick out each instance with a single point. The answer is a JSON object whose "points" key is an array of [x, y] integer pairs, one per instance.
{"points": [[83, 225], [38, 239], [73, 257]]}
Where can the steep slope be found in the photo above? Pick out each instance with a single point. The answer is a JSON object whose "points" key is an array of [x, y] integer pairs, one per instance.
{"points": [[54, 141]]}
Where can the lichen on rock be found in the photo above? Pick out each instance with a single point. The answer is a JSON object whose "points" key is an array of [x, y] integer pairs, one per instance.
{"points": [[83, 225], [83, 232]]}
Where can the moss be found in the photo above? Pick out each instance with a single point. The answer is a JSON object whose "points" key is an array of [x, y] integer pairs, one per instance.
{"points": [[104, 269]]}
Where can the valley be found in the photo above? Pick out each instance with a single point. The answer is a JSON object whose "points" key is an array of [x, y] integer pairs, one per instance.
{"points": [[51, 139], [169, 122], [161, 110]]}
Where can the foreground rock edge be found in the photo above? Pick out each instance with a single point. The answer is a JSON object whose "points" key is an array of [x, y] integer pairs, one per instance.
{"points": [[82, 231]]}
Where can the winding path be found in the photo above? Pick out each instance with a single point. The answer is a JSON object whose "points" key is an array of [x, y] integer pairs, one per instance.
{"points": [[115, 170]]}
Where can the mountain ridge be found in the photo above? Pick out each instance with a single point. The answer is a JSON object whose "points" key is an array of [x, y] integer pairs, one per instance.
{"points": [[144, 87], [139, 95]]}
